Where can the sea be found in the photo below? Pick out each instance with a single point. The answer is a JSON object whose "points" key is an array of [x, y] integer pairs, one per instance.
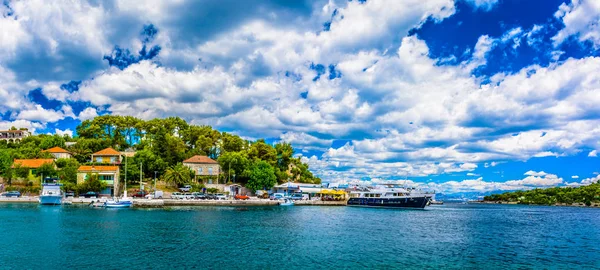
{"points": [[450, 236]]}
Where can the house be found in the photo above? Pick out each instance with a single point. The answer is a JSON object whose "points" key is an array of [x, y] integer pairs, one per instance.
{"points": [[203, 166], [108, 174], [32, 165], [13, 136], [58, 152], [107, 156]]}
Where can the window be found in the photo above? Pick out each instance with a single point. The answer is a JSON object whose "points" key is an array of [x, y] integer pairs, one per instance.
{"points": [[210, 170], [113, 159], [99, 159], [106, 177], [33, 171], [200, 170]]}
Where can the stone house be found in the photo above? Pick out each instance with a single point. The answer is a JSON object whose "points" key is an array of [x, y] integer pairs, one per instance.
{"points": [[203, 166]]}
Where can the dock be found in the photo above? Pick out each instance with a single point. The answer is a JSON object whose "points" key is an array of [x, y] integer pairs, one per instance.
{"points": [[159, 203]]}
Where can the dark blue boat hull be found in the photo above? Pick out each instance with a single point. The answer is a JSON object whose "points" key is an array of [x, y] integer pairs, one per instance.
{"points": [[416, 202]]}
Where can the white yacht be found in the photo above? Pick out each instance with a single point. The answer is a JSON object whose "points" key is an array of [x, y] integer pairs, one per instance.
{"points": [[51, 194]]}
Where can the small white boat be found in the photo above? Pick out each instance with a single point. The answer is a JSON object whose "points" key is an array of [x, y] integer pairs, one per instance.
{"points": [[286, 202], [119, 203], [123, 202]]}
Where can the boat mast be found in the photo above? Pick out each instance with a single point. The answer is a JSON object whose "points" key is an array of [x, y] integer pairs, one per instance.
{"points": [[125, 191]]}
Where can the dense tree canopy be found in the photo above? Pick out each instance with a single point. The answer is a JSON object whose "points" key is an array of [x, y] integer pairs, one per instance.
{"points": [[161, 145]]}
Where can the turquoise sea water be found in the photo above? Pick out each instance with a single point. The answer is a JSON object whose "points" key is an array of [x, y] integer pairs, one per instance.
{"points": [[452, 236]]}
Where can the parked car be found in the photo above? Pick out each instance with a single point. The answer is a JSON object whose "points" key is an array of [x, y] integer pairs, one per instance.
{"points": [[211, 197], [11, 194], [140, 194], [157, 194], [263, 194], [176, 196], [199, 196], [277, 196], [220, 196], [241, 197], [89, 194], [188, 196], [185, 188], [297, 196], [69, 194]]}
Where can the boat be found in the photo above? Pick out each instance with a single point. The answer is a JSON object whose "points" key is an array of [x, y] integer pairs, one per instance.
{"points": [[434, 202], [286, 202], [51, 193], [389, 196], [123, 202], [118, 203]]}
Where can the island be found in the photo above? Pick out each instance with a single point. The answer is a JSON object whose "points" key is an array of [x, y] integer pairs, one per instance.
{"points": [[565, 196]]}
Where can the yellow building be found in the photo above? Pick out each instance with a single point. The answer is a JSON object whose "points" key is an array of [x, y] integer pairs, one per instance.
{"points": [[107, 156], [107, 174]]}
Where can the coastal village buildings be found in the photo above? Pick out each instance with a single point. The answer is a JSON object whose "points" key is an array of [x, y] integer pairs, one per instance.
{"points": [[32, 165], [107, 174], [58, 152], [14, 136], [203, 166], [107, 156]]}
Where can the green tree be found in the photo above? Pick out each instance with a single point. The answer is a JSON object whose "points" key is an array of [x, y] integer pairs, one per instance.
{"points": [[238, 162], [92, 183], [46, 170], [52, 141], [261, 176], [178, 175], [260, 150], [67, 172], [8, 175]]}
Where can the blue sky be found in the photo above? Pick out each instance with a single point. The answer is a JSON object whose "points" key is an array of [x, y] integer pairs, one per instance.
{"points": [[456, 96]]}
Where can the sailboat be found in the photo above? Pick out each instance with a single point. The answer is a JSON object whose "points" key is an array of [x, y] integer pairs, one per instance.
{"points": [[123, 202]]}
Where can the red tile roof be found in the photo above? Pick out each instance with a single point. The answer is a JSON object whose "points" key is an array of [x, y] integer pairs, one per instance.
{"points": [[31, 163], [107, 152], [200, 159], [56, 150], [87, 168]]}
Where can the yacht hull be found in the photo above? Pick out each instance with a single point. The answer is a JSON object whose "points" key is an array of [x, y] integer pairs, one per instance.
{"points": [[413, 202], [50, 200]]}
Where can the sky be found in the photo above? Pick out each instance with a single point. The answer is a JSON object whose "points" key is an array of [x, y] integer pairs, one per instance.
{"points": [[451, 95]]}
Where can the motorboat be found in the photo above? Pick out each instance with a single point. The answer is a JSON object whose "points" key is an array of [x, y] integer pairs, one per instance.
{"points": [[286, 202], [51, 193]]}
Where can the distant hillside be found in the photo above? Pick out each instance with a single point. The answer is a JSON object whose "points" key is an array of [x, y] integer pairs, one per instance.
{"points": [[587, 195]]}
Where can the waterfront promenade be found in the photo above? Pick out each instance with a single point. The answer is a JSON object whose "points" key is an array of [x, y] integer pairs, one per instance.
{"points": [[146, 203]]}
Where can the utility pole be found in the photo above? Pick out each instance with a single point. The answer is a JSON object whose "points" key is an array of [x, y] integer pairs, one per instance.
{"points": [[141, 176], [229, 171], [155, 180]]}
